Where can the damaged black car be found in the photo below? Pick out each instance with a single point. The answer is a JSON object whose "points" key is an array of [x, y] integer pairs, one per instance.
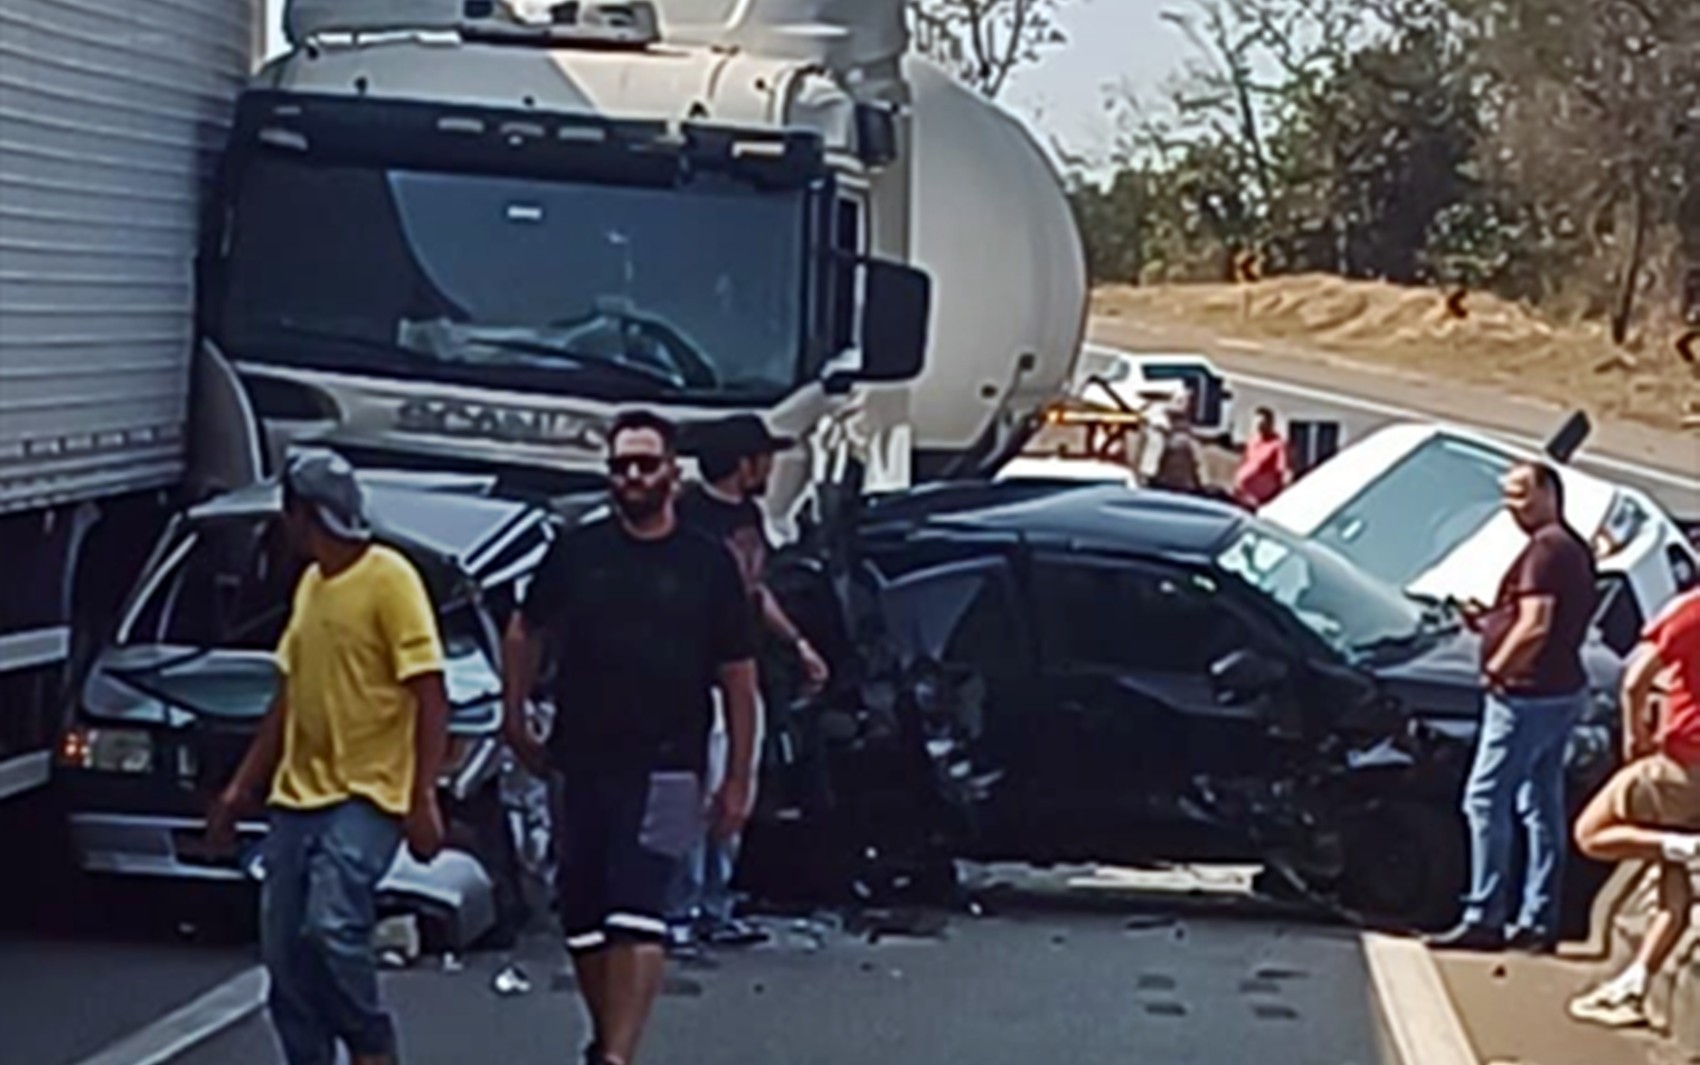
{"points": [[1050, 673]]}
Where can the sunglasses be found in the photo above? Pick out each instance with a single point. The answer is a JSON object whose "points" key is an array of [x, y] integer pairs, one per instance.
{"points": [[635, 465]]}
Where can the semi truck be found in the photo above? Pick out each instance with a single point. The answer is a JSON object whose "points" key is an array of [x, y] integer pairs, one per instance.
{"points": [[465, 233], [112, 120]]}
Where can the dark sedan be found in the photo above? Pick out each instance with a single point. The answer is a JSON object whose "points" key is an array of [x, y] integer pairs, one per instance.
{"points": [[1048, 672]]}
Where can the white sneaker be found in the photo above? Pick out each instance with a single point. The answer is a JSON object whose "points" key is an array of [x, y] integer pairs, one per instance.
{"points": [[1681, 846], [1613, 1005]]}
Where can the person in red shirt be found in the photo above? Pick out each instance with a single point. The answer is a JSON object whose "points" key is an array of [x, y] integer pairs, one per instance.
{"points": [[1264, 470], [1650, 810]]}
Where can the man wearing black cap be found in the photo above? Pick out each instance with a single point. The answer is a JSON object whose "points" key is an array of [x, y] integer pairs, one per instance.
{"points": [[735, 457], [350, 750]]}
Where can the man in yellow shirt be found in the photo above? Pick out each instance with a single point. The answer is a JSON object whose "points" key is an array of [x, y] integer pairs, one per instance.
{"points": [[352, 747]]}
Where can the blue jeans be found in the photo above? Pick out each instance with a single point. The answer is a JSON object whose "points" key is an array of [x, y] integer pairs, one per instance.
{"points": [[702, 892], [1519, 768], [318, 908]]}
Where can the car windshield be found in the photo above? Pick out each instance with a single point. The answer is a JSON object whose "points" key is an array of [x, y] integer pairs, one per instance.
{"points": [[1418, 511], [615, 291], [1351, 611]]}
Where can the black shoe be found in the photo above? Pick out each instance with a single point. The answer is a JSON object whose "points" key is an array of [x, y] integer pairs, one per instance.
{"points": [[1532, 941], [1468, 937]]}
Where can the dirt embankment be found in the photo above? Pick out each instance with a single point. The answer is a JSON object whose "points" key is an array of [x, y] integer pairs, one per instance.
{"points": [[1494, 342]]}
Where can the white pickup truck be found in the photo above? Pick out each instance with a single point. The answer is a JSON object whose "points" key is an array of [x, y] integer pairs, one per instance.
{"points": [[1419, 506]]}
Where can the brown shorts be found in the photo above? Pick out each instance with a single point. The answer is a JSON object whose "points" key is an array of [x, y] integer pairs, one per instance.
{"points": [[1656, 791]]}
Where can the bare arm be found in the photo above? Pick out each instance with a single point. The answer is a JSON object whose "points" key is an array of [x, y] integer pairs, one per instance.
{"points": [[259, 765], [430, 735], [774, 617], [780, 624], [1639, 728], [1528, 633], [738, 686], [522, 651]]}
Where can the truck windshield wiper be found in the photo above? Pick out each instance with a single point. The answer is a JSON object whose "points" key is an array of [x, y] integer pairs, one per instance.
{"points": [[547, 350], [331, 336]]}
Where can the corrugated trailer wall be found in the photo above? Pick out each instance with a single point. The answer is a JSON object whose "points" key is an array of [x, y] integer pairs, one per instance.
{"points": [[112, 113]]}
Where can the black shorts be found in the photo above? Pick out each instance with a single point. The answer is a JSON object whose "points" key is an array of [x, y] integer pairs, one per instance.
{"points": [[621, 837]]}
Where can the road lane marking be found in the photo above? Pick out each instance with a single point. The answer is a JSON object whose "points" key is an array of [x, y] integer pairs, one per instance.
{"points": [[194, 1023], [1415, 1004], [1351, 402]]}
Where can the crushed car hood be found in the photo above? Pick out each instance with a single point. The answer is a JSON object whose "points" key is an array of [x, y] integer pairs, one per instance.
{"points": [[1443, 681]]}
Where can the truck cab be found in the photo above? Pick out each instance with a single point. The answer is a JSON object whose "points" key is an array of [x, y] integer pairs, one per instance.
{"points": [[467, 233]]}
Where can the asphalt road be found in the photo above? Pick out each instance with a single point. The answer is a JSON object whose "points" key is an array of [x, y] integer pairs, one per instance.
{"points": [[1045, 981]]}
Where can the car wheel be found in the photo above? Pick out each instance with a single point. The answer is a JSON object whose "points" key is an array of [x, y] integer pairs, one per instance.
{"points": [[1406, 864]]}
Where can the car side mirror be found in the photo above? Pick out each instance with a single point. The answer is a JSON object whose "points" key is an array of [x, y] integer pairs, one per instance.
{"points": [[1246, 673], [894, 326]]}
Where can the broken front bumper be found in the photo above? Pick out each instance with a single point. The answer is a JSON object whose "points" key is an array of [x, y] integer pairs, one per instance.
{"points": [[454, 890]]}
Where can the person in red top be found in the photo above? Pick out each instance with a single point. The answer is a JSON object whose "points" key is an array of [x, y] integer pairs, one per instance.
{"points": [[1650, 810], [1264, 470]]}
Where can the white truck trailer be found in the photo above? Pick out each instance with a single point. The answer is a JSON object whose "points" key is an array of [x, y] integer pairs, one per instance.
{"points": [[112, 116], [464, 232]]}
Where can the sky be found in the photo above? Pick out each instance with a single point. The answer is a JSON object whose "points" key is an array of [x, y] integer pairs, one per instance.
{"points": [[1111, 42]]}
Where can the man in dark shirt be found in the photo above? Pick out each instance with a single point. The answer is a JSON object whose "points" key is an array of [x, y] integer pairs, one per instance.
{"points": [[644, 619], [735, 457], [1536, 691]]}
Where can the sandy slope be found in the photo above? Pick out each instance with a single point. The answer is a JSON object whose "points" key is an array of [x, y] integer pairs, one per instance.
{"points": [[1498, 344]]}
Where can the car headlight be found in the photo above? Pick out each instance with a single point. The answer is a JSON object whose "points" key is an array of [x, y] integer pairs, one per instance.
{"points": [[107, 750], [1624, 522]]}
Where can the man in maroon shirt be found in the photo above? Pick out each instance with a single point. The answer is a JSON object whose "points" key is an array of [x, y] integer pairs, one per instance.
{"points": [[1536, 691], [1650, 810]]}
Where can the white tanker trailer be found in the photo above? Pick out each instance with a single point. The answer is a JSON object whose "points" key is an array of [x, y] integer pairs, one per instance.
{"points": [[461, 232]]}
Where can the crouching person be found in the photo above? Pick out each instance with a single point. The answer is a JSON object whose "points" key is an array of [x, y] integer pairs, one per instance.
{"points": [[1650, 810]]}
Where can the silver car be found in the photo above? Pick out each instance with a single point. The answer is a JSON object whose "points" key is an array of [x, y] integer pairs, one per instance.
{"points": [[170, 704]]}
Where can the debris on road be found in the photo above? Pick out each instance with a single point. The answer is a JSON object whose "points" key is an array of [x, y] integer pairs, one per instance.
{"points": [[511, 981]]}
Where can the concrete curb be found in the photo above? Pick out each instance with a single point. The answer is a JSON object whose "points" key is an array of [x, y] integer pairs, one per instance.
{"points": [[1420, 1017]]}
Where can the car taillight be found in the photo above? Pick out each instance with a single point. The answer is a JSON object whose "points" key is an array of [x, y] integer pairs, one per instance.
{"points": [[107, 750]]}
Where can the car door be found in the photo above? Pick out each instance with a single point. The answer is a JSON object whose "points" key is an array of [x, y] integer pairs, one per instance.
{"points": [[966, 615], [1131, 716]]}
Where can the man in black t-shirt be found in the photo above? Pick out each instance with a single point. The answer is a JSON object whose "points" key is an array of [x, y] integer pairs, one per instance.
{"points": [[735, 457], [644, 619]]}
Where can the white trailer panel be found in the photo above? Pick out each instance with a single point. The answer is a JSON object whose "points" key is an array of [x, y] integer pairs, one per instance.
{"points": [[112, 115]]}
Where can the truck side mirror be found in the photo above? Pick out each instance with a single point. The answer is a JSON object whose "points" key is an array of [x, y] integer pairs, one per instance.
{"points": [[896, 314]]}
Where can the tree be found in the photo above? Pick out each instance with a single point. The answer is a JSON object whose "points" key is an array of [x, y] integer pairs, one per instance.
{"points": [[985, 41], [1587, 101]]}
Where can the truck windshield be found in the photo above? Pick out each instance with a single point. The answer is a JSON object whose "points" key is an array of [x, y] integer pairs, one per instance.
{"points": [[510, 282]]}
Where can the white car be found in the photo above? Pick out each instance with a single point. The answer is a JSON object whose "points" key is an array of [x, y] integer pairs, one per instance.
{"points": [[1059, 468], [1150, 380], [1419, 506]]}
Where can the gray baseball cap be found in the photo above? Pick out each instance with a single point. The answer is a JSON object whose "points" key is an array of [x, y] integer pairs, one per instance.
{"points": [[325, 481]]}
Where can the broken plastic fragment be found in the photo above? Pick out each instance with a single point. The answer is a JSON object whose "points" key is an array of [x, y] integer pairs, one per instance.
{"points": [[511, 981]]}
